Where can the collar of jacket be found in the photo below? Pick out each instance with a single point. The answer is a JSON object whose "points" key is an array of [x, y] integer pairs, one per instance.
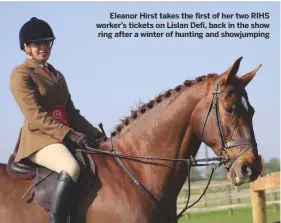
{"points": [[38, 68], [33, 64]]}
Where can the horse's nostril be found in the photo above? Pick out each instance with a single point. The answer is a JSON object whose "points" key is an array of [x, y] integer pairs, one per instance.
{"points": [[246, 170]]}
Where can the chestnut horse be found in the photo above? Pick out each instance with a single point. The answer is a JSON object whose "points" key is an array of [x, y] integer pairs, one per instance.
{"points": [[213, 109]]}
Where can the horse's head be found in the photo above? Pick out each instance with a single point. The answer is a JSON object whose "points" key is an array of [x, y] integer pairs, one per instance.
{"points": [[224, 119]]}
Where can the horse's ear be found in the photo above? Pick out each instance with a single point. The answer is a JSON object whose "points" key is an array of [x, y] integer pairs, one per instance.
{"points": [[249, 76], [228, 75]]}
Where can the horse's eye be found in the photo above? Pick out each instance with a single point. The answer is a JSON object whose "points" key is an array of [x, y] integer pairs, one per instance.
{"points": [[230, 109]]}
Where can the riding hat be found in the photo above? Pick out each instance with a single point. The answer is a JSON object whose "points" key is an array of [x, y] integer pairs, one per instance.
{"points": [[35, 30]]}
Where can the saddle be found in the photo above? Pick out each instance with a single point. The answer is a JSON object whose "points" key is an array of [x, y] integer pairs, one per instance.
{"points": [[44, 180]]}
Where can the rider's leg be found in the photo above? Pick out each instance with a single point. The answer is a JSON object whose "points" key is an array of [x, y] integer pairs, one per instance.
{"points": [[58, 158]]}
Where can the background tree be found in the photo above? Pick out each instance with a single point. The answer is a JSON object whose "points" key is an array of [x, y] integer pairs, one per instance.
{"points": [[273, 165]]}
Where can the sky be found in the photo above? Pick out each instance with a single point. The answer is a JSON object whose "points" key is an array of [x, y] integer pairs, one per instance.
{"points": [[108, 77]]}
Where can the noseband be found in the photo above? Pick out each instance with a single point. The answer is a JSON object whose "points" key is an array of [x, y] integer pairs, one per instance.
{"points": [[225, 145]]}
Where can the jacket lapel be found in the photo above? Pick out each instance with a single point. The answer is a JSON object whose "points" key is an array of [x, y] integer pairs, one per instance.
{"points": [[59, 80], [40, 71]]}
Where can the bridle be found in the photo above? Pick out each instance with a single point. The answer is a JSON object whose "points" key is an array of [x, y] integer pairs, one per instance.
{"points": [[225, 145], [222, 159]]}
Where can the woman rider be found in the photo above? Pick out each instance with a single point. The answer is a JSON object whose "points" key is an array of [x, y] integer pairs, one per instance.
{"points": [[50, 118]]}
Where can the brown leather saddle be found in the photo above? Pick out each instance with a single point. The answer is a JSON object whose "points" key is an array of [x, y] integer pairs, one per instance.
{"points": [[44, 180]]}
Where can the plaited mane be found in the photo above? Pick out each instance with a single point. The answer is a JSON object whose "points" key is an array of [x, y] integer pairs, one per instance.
{"points": [[141, 109]]}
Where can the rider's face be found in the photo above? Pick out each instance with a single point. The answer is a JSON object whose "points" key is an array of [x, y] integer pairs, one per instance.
{"points": [[40, 51]]}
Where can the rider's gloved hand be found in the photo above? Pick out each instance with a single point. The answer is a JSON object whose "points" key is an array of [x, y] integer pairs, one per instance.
{"points": [[77, 138]]}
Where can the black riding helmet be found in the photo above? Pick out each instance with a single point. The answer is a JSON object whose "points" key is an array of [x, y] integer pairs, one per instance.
{"points": [[35, 30]]}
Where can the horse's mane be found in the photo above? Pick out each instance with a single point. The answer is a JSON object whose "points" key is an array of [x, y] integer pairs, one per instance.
{"points": [[143, 107]]}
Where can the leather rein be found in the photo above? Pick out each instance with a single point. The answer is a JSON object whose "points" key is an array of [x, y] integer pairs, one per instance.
{"points": [[222, 159]]}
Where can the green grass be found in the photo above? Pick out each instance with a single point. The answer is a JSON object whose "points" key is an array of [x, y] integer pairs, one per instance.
{"points": [[239, 216]]}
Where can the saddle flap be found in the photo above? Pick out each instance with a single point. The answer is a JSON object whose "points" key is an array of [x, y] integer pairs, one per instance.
{"points": [[45, 184]]}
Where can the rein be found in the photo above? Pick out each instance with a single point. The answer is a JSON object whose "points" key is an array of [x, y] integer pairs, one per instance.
{"points": [[114, 153]]}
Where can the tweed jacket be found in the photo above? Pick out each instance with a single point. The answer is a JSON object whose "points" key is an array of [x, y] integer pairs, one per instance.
{"points": [[49, 112]]}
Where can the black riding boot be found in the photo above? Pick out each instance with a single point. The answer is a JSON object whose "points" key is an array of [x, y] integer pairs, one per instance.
{"points": [[61, 199]]}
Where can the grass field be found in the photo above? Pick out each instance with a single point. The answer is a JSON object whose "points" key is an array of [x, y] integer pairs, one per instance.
{"points": [[239, 216]]}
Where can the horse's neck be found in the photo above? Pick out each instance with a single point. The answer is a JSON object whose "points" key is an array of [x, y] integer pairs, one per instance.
{"points": [[165, 131]]}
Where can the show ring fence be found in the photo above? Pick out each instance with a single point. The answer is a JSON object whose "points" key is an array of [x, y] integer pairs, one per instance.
{"points": [[221, 195], [259, 196]]}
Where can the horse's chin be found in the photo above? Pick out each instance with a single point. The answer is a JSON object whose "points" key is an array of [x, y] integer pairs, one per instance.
{"points": [[233, 178]]}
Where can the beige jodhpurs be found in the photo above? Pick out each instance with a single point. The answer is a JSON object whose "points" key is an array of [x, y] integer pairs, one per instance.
{"points": [[57, 157]]}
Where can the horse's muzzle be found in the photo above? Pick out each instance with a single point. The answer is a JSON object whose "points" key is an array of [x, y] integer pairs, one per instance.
{"points": [[244, 173]]}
